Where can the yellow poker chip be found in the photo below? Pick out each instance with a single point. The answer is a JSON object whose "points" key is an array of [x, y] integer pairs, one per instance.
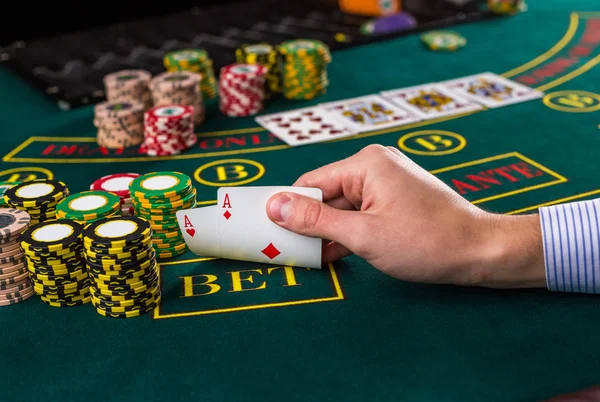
{"points": [[35, 193], [128, 314], [67, 303], [116, 232], [53, 235]]}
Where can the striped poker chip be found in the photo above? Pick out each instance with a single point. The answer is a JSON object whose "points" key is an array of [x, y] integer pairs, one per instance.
{"points": [[115, 183], [242, 89]]}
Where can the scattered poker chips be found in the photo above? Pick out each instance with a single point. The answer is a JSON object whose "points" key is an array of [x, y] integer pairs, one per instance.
{"points": [[156, 198], [443, 41], [15, 285], [5, 185], [179, 88], [196, 61], [128, 85], [117, 184], [169, 130], [122, 265], [506, 7], [37, 197], [120, 124], [304, 68], [55, 262], [89, 206], [266, 55], [242, 89]]}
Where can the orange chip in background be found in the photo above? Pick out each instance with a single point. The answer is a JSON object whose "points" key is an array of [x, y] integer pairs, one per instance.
{"points": [[371, 8]]}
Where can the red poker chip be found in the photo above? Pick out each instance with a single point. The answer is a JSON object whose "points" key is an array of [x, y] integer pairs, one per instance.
{"points": [[243, 71], [168, 112], [115, 183]]}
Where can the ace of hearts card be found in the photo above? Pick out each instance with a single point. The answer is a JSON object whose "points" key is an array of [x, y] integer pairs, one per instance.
{"points": [[492, 90], [368, 113], [305, 126], [431, 101]]}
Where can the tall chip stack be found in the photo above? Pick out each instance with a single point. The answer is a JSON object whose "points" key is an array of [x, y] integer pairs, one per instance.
{"points": [[156, 198], [117, 184], [125, 85], [120, 124], [89, 206], [196, 61], [56, 264], [304, 65], [121, 263], [168, 130], [179, 88], [38, 198], [266, 55], [15, 285], [242, 89]]}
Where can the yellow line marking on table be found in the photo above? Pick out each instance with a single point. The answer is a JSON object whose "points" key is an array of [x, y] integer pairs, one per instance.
{"points": [[568, 77], [560, 45]]}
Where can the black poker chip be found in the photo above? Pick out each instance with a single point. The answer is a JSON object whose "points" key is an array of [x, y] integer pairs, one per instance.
{"points": [[53, 235], [115, 232]]}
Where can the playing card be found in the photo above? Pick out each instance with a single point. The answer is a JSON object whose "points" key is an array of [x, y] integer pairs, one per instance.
{"points": [[200, 230], [304, 126], [431, 101], [246, 232], [492, 90], [368, 113]]}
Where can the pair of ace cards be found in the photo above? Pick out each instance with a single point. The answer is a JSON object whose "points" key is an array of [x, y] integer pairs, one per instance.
{"points": [[395, 108], [238, 228]]}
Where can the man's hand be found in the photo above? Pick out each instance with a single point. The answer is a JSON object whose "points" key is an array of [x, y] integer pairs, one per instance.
{"points": [[386, 209]]}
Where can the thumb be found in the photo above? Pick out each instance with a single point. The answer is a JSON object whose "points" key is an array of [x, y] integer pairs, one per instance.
{"points": [[310, 217]]}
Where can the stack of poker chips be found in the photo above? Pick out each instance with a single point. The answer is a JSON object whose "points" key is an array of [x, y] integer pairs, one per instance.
{"points": [[56, 264], [128, 85], [15, 285], [120, 124], [156, 198], [122, 266], [89, 206], [180, 88], [117, 184], [196, 61], [37, 197], [242, 89], [5, 185], [168, 130], [266, 55], [304, 68]]}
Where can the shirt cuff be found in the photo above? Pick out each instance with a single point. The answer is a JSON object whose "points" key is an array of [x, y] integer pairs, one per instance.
{"points": [[570, 235]]}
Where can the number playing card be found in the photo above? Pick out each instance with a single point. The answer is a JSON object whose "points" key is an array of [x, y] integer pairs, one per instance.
{"points": [[431, 101], [368, 113], [246, 233], [492, 90], [304, 126]]}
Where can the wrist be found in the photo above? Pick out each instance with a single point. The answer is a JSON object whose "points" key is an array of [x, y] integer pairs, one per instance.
{"points": [[511, 254]]}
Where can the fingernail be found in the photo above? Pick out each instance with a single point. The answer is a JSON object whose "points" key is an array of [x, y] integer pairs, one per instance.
{"points": [[279, 208]]}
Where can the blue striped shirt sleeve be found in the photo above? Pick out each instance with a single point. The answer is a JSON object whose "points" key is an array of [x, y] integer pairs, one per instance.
{"points": [[571, 241]]}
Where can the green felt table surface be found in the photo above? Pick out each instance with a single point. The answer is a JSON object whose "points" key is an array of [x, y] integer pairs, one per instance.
{"points": [[241, 331]]}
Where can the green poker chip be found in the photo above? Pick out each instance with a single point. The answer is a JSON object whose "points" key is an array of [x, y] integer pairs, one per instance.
{"points": [[89, 205], [443, 41], [160, 186], [5, 185]]}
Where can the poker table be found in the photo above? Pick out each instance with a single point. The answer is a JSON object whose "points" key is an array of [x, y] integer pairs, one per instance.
{"points": [[228, 330]]}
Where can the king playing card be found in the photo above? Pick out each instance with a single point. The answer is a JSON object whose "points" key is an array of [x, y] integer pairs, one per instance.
{"points": [[431, 101], [368, 113], [492, 90]]}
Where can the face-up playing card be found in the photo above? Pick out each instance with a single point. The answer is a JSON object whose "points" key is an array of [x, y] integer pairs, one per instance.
{"points": [[305, 126], [431, 101], [368, 113], [492, 90], [246, 233], [200, 230]]}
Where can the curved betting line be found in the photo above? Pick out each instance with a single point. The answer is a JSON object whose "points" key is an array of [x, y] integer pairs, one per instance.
{"points": [[568, 77], [560, 45]]}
